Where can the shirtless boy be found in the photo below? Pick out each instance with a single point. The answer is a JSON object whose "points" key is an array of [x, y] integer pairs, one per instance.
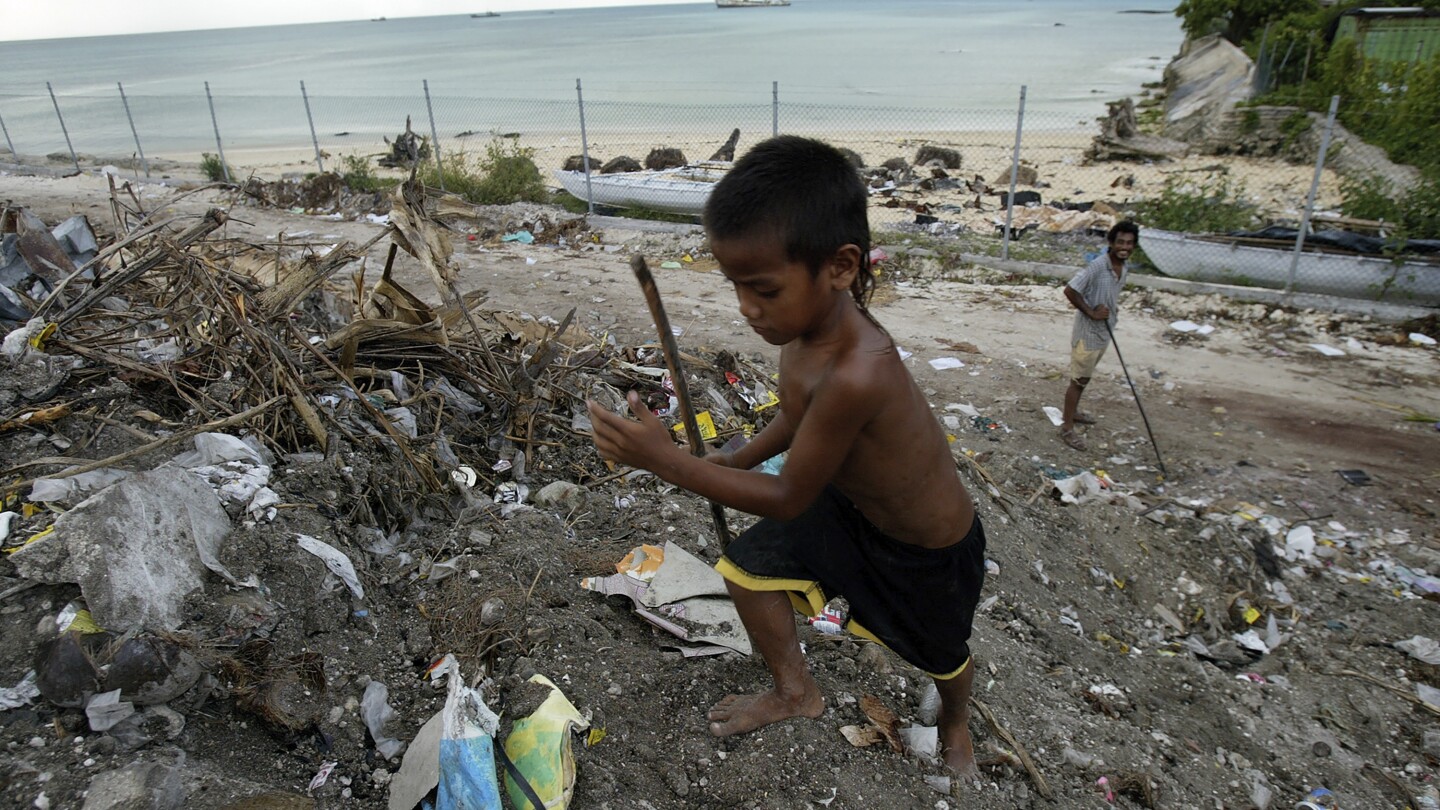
{"points": [[868, 505]]}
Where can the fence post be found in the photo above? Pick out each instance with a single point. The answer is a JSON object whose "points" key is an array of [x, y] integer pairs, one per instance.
{"points": [[224, 167], [1262, 72], [128, 117], [1014, 176], [73, 159], [775, 109], [1314, 188], [434, 136], [585, 150], [319, 164], [8, 144]]}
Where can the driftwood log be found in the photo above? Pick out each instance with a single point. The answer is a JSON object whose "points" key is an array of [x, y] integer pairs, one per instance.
{"points": [[1120, 138]]}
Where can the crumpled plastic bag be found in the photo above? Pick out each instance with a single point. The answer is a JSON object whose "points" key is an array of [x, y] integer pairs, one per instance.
{"points": [[540, 748], [1421, 648], [467, 747], [75, 488], [336, 561], [375, 708]]}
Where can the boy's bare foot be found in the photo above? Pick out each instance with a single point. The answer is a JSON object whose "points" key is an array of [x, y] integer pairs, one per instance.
{"points": [[737, 714], [959, 752]]}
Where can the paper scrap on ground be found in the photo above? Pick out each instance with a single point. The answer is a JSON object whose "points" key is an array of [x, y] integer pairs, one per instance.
{"points": [[420, 769], [1328, 351], [1422, 339], [678, 593], [1191, 326], [963, 407], [943, 363], [1057, 418]]}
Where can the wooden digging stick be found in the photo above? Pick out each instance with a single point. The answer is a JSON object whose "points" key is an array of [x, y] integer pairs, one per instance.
{"points": [[677, 378]]}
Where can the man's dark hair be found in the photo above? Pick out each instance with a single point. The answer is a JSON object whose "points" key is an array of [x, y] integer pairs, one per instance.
{"points": [[803, 192], [1123, 226]]}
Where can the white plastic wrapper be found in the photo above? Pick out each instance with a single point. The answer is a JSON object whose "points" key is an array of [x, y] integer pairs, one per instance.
{"points": [[336, 561]]}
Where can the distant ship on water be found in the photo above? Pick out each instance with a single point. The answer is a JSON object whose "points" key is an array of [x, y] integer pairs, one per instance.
{"points": [[486, 14], [749, 3]]}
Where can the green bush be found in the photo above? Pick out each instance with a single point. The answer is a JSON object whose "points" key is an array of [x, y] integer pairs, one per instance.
{"points": [[507, 173], [214, 170], [357, 175], [1415, 214], [1213, 203]]}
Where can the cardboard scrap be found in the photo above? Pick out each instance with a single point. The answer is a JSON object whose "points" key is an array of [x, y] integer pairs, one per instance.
{"points": [[680, 594]]}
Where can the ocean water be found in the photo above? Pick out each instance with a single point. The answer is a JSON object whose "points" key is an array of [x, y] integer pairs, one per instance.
{"points": [[859, 64]]}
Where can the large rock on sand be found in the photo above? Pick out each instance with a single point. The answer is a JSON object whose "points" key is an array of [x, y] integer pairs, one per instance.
{"points": [[1209, 78]]}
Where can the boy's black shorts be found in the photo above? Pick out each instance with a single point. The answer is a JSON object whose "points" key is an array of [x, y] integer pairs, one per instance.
{"points": [[917, 601]]}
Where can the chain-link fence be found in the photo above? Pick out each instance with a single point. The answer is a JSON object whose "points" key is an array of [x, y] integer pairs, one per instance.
{"points": [[1231, 210]]}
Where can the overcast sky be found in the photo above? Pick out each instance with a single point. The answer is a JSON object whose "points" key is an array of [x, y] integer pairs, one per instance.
{"points": [[45, 19]]}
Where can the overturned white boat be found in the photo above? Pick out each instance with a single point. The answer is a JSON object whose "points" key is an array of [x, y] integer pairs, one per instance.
{"points": [[1333, 263], [681, 190]]}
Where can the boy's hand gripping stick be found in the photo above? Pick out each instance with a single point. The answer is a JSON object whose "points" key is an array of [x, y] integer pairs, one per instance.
{"points": [[677, 378]]}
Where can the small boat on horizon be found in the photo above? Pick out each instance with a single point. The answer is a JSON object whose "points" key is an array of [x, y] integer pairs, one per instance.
{"points": [[485, 14], [749, 3]]}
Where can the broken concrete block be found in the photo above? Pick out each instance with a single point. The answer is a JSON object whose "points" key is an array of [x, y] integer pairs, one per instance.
{"points": [[141, 786], [561, 494]]}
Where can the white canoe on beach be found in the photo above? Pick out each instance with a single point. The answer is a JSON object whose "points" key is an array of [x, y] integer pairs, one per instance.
{"points": [[681, 190], [1224, 259]]}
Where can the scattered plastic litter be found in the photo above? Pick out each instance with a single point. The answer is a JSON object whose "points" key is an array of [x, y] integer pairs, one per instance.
{"points": [[466, 771], [375, 708], [321, 777], [944, 363], [922, 741], [523, 237], [539, 745], [106, 710], [1319, 799], [1054, 414], [20, 694], [335, 560], [829, 621], [1421, 339], [1191, 326], [1421, 648], [1328, 351], [1359, 478]]}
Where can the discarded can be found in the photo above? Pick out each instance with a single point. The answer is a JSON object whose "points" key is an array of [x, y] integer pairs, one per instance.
{"points": [[1319, 799], [828, 622]]}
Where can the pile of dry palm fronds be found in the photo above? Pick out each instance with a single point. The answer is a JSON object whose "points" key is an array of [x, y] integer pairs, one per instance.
{"points": [[291, 343]]}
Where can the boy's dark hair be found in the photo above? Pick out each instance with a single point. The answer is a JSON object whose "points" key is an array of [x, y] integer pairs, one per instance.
{"points": [[1123, 226], [805, 193]]}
